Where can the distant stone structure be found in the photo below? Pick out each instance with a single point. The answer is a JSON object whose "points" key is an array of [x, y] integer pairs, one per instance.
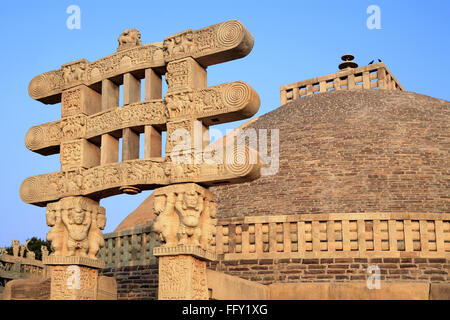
{"points": [[22, 264], [87, 138]]}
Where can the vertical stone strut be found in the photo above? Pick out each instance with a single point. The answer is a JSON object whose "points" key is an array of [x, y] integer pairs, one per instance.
{"points": [[88, 137], [76, 222], [186, 228], [186, 211], [153, 91]]}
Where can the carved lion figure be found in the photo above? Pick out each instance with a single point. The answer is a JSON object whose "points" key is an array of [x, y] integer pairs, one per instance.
{"points": [[129, 38]]}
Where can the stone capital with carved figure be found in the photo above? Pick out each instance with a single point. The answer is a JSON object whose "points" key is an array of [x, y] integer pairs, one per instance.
{"points": [[185, 215], [186, 227], [76, 224]]}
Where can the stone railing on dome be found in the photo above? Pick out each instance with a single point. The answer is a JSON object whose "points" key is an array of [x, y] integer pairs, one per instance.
{"points": [[374, 76], [319, 235], [132, 247], [334, 235]]}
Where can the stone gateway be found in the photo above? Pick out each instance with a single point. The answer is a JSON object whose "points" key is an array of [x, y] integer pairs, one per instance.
{"points": [[87, 138]]}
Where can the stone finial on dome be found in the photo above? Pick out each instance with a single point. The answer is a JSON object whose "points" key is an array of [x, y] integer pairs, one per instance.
{"points": [[348, 62]]}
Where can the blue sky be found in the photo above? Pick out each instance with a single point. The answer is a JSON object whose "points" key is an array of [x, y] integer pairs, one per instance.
{"points": [[294, 40]]}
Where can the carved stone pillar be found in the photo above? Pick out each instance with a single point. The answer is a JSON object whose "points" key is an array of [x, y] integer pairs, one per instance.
{"points": [[186, 228], [76, 237], [73, 278]]}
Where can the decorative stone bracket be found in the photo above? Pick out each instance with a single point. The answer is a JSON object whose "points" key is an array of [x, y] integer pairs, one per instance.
{"points": [[76, 224], [185, 215]]}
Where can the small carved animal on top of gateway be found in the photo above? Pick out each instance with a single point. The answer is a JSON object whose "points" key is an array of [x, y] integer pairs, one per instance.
{"points": [[129, 38]]}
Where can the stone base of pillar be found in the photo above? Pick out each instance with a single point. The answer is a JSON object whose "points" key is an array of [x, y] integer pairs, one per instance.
{"points": [[182, 273], [73, 278]]}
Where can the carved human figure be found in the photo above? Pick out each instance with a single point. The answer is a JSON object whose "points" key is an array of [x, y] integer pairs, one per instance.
{"points": [[57, 233], [95, 237], [189, 43], [16, 247], [168, 47], [207, 225], [189, 206], [67, 74], [78, 72], [178, 47], [77, 219], [167, 221]]}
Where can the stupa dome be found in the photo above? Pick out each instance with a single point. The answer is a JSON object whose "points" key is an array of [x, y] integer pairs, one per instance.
{"points": [[348, 151], [351, 151]]}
